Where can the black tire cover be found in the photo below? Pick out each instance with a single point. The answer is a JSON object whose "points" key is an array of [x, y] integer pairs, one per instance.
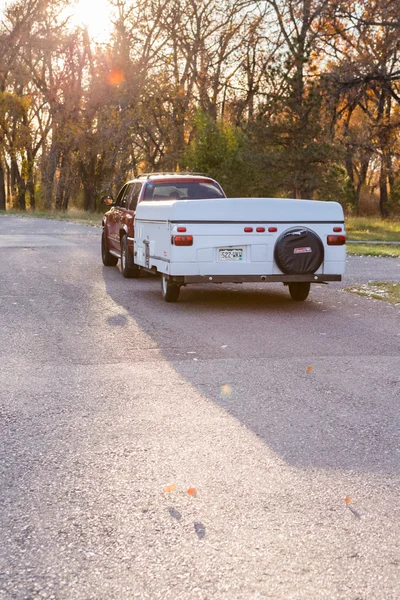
{"points": [[299, 251]]}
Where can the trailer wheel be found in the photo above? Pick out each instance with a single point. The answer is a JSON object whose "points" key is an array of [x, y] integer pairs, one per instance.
{"points": [[170, 291], [128, 267], [109, 260], [299, 291]]}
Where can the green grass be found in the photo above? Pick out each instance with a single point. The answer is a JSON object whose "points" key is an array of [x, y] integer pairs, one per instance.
{"points": [[372, 228], [373, 250], [389, 292], [78, 216]]}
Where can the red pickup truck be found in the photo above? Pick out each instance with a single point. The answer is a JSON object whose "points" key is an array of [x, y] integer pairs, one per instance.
{"points": [[118, 234]]}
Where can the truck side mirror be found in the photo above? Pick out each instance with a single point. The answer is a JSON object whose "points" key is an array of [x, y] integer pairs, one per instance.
{"points": [[107, 200]]}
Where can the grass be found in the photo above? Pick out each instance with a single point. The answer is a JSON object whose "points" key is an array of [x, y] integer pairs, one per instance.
{"points": [[380, 290], [373, 228], [373, 250], [76, 215]]}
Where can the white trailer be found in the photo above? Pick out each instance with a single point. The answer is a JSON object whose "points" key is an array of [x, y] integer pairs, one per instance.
{"points": [[238, 240]]}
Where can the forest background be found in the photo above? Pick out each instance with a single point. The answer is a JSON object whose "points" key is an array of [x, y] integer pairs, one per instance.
{"points": [[276, 98]]}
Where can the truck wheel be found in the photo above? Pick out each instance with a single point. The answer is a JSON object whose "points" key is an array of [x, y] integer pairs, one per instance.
{"points": [[108, 259], [299, 291], [128, 267], [170, 291]]}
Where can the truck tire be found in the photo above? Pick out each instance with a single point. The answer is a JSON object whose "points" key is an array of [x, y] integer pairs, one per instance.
{"points": [[128, 267], [299, 291], [109, 260], [299, 251], [169, 289]]}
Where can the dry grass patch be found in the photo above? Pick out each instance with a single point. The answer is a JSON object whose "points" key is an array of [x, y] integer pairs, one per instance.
{"points": [[380, 290]]}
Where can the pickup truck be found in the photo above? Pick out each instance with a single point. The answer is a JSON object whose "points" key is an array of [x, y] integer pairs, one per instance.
{"points": [[238, 240]]}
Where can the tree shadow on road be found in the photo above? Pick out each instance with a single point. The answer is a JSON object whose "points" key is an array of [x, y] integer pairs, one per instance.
{"points": [[248, 349]]}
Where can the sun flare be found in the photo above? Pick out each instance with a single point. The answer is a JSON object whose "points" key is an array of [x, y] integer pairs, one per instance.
{"points": [[93, 14]]}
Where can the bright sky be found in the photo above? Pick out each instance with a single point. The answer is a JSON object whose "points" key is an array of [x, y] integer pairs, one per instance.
{"points": [[95, 14]]}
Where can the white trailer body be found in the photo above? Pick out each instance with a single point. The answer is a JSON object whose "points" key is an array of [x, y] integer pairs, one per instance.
{"points": [[241, 239]]}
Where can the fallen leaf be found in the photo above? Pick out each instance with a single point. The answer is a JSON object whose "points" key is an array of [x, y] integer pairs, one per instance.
{"points": [[170, 488], [347, 499], [192, 491], [309, 369]]}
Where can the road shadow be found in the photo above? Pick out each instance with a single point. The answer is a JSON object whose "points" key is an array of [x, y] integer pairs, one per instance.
{"points": [[345, 419]]}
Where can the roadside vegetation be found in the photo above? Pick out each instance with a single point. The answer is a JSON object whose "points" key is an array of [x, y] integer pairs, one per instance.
{"points": [[73, 214], [373, 250], [380, 290], [373, 228]]}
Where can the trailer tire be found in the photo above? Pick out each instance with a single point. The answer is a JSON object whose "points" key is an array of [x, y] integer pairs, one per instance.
{"points": [[109, 260], [170, 290], [299, 290], [299, 251], [128, 267]]}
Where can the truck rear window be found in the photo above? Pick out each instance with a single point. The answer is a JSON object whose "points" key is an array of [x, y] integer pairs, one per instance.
{"points": [[182, 191]]}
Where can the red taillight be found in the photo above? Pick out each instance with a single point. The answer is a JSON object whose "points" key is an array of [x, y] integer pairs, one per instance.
{"points": [[272, 229], [183, 229], [337, 229], [260, 229], [248, 229], [182, 240], [336, 240]]}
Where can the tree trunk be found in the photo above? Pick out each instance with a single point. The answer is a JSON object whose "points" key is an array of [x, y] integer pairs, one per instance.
{"points": [[362, 178], [49, 167], [8, 179], [89, 197], [67, 194], [18, 185], [89, 192], [62, 183], [13, 182], [389, 167], [383, 189], [2, 188], [30, 184]]}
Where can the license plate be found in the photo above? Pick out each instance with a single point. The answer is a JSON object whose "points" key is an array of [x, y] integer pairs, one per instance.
{"points": [[230, 254]]}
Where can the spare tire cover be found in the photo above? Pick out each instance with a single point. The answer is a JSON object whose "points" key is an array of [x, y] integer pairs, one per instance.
{"points": [[299, 251]]}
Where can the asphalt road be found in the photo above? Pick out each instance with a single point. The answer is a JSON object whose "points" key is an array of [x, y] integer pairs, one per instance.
{"points": [[108, 394]]}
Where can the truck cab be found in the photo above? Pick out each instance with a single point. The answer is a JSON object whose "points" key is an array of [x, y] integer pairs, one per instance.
{"points": [[118, 221]]}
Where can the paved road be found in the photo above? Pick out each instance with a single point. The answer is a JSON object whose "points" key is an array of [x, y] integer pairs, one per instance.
{"points": [[108, 394]]}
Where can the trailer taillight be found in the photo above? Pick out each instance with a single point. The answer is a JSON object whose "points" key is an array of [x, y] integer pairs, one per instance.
{"points": [[248, 229], [260, 229], [182, 240], [336, 240], [337, 229], [183, 229], [272, 229]]}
